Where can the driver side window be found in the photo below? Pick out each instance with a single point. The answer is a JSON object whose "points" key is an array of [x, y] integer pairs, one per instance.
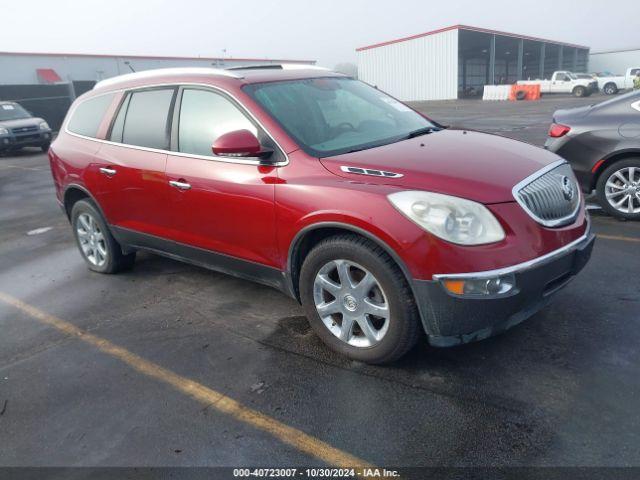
{"points": [[204, 116]]}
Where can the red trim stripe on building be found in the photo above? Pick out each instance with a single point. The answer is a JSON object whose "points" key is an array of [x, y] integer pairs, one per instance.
{"points": [[473, 29]]}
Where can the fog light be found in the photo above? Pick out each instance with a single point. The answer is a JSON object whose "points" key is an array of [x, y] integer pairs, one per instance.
{"points": [[492, 286]]}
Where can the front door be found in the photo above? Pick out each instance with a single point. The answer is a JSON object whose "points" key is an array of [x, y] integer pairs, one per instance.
{"points": [[221, 205]]}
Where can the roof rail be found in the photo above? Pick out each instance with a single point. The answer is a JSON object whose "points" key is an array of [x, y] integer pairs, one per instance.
{"points": [[165, 71], [279, 66]]}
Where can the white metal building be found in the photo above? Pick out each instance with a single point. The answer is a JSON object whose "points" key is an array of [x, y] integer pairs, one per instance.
{"points": [[459, 60], [614, 61], [45, 68]]}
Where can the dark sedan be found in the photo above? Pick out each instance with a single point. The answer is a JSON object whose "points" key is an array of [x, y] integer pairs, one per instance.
{"points": [[19, 128], [602, 143]]}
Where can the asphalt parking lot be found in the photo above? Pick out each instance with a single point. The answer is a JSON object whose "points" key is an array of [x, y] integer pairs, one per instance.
{"points": [[173, 365]]}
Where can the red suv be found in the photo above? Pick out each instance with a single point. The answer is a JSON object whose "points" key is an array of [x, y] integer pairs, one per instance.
{"points": [[381, 222]]}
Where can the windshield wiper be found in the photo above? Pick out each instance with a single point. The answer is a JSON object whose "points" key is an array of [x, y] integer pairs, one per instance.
{"points": [[421, 131]]}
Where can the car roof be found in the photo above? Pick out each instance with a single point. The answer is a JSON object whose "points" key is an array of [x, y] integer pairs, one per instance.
{"points": [[244, 75]]}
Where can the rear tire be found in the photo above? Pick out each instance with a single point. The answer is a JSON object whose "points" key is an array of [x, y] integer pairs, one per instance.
{"points": [[373, 282], [616, 189], [98, 248], [580, 92]]}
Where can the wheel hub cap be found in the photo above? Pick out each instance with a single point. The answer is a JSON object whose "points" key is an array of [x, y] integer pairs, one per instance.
{"points": [[622, 190], [91, 240], [351, 303]]}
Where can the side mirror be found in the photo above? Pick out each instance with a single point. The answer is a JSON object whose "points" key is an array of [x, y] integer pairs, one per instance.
{"points": [[239, 143]]}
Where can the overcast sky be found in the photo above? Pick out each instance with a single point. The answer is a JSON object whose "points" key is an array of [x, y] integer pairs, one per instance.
{"points": [[323, 30]]}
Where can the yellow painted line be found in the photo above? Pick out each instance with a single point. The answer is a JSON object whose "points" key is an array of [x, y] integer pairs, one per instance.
{"points": [[288, 435], [618, 237]]}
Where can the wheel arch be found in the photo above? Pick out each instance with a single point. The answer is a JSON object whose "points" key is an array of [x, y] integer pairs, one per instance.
{"points": [[75, 192], [310, 235], [609, 160]]}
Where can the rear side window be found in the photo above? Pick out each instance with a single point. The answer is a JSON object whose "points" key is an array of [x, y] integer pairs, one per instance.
{"points": [[118, 124], [204, 116], [87, 116], [143, 119]]}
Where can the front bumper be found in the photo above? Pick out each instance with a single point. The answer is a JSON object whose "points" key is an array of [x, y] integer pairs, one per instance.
{"points": [[451, 320], [32, 139]]}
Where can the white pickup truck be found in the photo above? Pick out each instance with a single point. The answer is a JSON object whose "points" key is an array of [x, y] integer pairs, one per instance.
{"points": [[611, 85], [564, 82]]}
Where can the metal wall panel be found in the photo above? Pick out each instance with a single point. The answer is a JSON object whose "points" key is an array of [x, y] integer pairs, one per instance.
{"points": [[614, 62], [424, 68], [17, 69]]}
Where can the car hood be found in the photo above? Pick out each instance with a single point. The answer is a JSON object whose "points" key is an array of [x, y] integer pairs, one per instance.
{"points": [[22, 122], [473, 165]]}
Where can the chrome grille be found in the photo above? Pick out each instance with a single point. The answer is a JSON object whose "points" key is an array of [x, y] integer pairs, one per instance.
{"points": [[31, 128], [551, 196]]}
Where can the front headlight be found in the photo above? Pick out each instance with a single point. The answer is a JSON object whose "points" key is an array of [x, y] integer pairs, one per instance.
{"points": [[44, 126], [4, 131], [453, 219]]}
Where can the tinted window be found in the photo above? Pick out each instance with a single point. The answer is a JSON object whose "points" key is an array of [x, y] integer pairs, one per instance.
{"points": [[118, 124], [88, 115], [146, 119], [204, 116]]}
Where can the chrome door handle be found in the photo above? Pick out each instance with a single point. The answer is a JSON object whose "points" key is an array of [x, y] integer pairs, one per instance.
{"points": [[109, 172], [179, 185]]}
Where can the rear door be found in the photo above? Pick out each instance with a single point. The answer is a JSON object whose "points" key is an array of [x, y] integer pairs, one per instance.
{"points": [[221, 204], [132, 165]]}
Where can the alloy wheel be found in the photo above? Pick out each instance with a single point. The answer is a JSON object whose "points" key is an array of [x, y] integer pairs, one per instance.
{"points": [[91, 239], [351, 303], [622, 190]]}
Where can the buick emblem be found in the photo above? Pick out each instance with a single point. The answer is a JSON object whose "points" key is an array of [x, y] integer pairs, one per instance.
{"points": [[567, 188]]}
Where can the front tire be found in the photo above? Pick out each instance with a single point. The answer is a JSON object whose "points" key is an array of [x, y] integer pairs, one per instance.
{"points": [[358, 301], [98, 248], [580, 92], [45, 147], [618, 189], [610, 89]]}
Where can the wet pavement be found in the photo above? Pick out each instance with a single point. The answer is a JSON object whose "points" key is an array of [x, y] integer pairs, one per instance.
{"points": [[560, 389]]}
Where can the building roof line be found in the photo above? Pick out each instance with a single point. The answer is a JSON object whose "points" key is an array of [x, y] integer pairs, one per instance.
{"points": [[153, 57], [468, 27], [617, 50]]}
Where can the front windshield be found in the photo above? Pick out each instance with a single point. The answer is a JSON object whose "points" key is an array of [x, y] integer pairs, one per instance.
{"points": [[12, 111], [331, 116]]}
